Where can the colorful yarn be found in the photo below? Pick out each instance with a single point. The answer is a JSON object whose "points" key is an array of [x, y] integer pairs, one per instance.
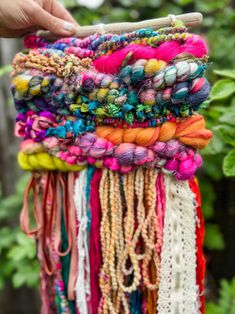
{"points": [[61, 65], [110, 100], [171, 156], [200, 234], [111, 134], [82, 288], [190, 131], [95, 247], [194, 45], [44, 161], [161, 74]]}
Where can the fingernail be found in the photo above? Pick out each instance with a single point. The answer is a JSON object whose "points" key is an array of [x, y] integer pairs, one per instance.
{"points": [[69, 26]]}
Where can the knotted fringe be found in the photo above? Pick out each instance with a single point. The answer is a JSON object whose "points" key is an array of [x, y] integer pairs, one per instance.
{"points": [[83, 278], [117, 243]]}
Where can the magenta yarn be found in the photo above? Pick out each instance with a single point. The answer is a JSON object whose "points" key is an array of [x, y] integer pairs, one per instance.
{"points": [[194, 45]]}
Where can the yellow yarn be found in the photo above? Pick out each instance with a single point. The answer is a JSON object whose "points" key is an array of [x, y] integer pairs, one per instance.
{"points": [[153, 65], [45, 82], [44, 161], [36, 90], [102, 93], [21, 83]]}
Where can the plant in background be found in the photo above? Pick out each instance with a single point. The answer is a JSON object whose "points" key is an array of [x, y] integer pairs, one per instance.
{"points": [[17, 251], [222, 117], [219, 156], [226, 302]]}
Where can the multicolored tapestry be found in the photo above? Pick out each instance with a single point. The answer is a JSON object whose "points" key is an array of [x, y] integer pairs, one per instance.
{"points": [[111, 133]]}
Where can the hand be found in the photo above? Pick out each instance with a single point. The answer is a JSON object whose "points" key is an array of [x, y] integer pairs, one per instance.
{"points": [[19, 17]]}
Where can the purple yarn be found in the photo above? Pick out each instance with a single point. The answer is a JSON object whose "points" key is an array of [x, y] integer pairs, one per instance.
{"points": [[200, 96]]}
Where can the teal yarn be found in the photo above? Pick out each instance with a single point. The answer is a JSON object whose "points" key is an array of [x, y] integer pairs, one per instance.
{"points": [[74, 128], [65, 260], [136, 302], [90, 173]]}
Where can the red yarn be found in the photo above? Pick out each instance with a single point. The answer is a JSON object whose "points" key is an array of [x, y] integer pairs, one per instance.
{"points": [[161, 202], [194, 45], [95, 246], [200, 233]]}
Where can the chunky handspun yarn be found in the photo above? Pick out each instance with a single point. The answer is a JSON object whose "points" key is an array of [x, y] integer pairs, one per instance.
{"points": [[111, 132]]}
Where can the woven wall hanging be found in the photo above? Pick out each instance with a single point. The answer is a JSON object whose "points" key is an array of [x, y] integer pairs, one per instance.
{"points": [[111, 133]]}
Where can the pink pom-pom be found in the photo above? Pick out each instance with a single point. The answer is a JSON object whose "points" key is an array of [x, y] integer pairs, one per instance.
{"points": [[198, 159], [91, 160], [71, 160], [75, 150], [111, 163], [99, 149], [171, 165], [159, 147], [64, 155]]}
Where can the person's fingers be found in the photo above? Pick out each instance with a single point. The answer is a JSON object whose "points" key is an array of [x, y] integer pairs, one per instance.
{"points": [[59, 11], [54, 24]]}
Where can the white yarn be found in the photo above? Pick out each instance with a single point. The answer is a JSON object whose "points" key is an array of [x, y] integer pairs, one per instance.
{"points": [[82, 288], [178, 292]]}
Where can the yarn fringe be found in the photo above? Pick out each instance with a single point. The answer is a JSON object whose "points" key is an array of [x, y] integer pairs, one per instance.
{"points": [[144, 225]]}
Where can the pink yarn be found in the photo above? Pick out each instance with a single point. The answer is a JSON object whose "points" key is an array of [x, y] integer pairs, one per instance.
{"points": [[172, 156], [188, 167], [95, 245], [194, 45]]}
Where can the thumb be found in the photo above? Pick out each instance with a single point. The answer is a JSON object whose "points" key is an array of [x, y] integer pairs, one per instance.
{"points": [[54, 24]]}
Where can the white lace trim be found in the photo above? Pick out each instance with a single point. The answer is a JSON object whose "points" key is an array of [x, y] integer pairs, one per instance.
{"points": [[82, 288], [178, 291]]}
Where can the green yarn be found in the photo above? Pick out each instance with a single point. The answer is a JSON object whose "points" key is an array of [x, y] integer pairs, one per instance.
{"points": [[65, 261], [57, 303]]}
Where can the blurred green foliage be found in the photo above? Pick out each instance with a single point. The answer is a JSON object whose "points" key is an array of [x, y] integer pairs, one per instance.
{"points": [[221, 120], [226, 302], [17, 252]]}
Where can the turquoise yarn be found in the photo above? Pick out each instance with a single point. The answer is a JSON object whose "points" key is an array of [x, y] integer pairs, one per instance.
{"points": [[90, 173], [65, 260], [136, 302]]}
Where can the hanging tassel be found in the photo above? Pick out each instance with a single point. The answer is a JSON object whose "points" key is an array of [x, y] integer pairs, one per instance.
{"points": [[95, 245], [200, 234], [178, 292], [82, 287], [65, 261]]}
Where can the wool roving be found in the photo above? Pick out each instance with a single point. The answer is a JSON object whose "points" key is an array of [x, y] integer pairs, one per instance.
{"points": [[111, 132]]}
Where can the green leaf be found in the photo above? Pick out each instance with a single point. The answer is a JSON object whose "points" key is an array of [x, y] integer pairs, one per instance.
{"points": [[18, 279], [212, 166], [228, 118], [212, 308], [226, 73], [208, 197], [222, 89], [213, 238], [215, 147], [227, 133], [229, 164], [226, 302]]}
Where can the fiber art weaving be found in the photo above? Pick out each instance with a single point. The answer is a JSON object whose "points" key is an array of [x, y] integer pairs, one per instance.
{"points": [[111, 131]]}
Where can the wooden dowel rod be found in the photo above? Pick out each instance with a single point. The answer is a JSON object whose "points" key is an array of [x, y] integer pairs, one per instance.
{"points": [[189, 19]]}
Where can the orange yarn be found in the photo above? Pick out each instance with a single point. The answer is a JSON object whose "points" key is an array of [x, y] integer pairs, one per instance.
{"points": [[190, 131]]}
